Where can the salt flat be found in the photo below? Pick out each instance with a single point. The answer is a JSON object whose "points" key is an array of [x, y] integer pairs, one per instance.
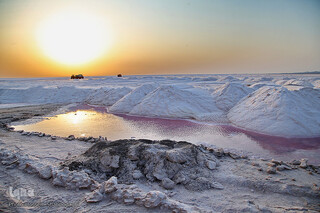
{"points": [[58, 170], [278, 105]]}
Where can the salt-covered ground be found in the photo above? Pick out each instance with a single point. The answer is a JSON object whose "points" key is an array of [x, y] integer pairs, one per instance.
{"points": [[278, 105], [34, 176]]}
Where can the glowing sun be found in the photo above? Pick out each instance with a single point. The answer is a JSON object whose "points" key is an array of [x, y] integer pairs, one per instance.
{"points": [[73, 38]]}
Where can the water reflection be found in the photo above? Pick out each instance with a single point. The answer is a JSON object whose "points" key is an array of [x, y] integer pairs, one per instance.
{"points": [[75, 118], [88, 122]]}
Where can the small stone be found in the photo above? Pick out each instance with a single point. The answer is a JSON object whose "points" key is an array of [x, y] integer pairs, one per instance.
{"points": [[276, 162], [137, 174], [70, 137], [217, 185], [234, 156], [111, 185], [271, 164], [45, 172], [295, 162], [35, 133], [271, 170], [303, 163], [286, 167], [53, 138], [30, 168], [211, 164], [167, 183], [154, 199], [128, 201], [280, 168], [293, 179], [219, 152], [94, 197]]}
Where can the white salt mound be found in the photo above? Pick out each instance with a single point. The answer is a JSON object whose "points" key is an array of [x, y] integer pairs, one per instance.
{"points": [[278, 111], [107, 96], [173, 102], [316, 83], [295, 82], [230, 94], [40, 94], [227, 79], [126, 104]]}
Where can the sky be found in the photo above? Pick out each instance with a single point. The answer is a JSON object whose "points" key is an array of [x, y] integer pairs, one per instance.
{"points": [[167, 37]]}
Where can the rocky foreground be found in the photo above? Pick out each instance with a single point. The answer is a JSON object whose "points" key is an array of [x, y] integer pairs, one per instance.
{"points": [[41, 172]]}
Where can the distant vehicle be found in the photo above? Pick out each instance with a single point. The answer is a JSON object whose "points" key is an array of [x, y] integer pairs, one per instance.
{"points": [[79, 76], [119, 75]]}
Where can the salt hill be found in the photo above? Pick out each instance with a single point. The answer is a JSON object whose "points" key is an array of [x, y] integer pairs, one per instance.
{"points": [[173, 102], [279, 111]]}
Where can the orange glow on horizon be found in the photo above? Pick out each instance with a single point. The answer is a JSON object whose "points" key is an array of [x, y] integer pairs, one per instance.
{"points": [[60, 38]]}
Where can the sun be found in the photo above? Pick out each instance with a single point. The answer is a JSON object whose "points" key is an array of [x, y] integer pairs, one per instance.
{"points": [[73, 37]]}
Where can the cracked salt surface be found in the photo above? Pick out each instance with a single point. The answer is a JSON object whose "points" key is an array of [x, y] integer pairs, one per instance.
{"points": [[85, 120]]}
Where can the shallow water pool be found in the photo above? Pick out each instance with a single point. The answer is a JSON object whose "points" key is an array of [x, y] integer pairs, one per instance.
{"points": [[88, 121]]}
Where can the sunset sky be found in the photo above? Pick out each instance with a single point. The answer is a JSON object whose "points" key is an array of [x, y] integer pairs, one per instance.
{"points": [[158, 37]]}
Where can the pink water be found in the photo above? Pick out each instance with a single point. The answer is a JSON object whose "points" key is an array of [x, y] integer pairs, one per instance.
{"points": [[85, 120]]}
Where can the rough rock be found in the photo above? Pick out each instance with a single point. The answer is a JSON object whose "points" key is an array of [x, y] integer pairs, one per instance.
{"points": [[153, 199], [71, 179], [132, 194], [179, 162], [45, 172], [177, 156], [167, 183]]}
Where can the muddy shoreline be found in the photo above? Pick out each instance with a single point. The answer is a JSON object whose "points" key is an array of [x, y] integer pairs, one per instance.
{"points": [[249, 185]]}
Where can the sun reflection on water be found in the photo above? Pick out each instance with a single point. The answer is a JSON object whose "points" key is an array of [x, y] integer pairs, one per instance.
{"points": [[76, 117]]}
